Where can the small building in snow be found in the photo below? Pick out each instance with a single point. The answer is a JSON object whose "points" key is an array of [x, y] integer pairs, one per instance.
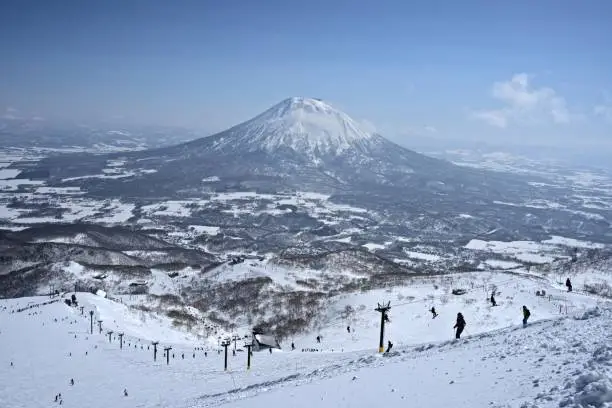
{"points": [[263, 341]]}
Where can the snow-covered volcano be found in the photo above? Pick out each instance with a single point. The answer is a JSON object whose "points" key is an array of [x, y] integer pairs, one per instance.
{"points": [[306, 125], [301, 144]]}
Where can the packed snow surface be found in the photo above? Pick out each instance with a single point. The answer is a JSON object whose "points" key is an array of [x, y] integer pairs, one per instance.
{"points": [[561, 359]]}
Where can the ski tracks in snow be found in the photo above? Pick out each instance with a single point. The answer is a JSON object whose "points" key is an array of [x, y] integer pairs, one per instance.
{"points": [[578, 351]]}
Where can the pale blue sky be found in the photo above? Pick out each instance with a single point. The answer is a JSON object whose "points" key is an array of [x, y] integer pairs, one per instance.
{"points": [[407, 67]]}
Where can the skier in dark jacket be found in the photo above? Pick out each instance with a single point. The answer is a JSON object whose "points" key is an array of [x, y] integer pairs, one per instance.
{"points": [[493, 302], [459, 325], [526, 314], [433, 312], [568, 283], [389, 346]]}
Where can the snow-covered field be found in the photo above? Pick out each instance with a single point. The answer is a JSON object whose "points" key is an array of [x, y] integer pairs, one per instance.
{"points": [[563, 358], [529, 251]]}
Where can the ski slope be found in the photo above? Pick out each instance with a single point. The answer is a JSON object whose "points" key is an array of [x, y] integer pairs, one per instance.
{"points": [[559, 363], [556, 360], [412, 323]]}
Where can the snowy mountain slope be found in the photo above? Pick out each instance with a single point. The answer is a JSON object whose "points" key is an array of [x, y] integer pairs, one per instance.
{"points": [[304, 144], [560, 363], [298, 143], [305, 125], [46, 346], [411, 320]]}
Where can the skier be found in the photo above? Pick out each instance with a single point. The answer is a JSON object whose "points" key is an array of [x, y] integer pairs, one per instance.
{"points": [[568, 283], [433, 312], [526, 314], [318, 339], [72, 381], [459, 325], [348, 329], [389, 346], [292, 346], [125, 394], [270, 350], [493, 302]]}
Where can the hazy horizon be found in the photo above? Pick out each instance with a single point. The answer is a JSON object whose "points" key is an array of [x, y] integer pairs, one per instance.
{"points": [[520, 73]]}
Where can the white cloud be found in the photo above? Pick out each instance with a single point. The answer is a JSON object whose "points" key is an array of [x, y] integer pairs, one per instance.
{"points": [[10, 113], [493, 118], [431, 129], [524, 104]]}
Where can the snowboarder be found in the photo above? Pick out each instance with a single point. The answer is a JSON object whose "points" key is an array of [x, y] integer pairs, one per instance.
{"points": [[125, 394], [292, 346], [433, 312], [389, 346], [526, 314], [348, 329], [72, 381], [459, 325], [493, 302], [318, 339], [568, 283]]}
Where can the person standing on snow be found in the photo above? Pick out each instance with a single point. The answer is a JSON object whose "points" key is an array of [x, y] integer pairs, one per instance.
{"points": [[389, 346], [459, 325], [493, 302], [526, 314], [433, 312], [568, 283]]}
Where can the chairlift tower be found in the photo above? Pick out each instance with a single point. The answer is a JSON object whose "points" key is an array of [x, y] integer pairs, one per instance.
{"points": [[383, 310]]}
